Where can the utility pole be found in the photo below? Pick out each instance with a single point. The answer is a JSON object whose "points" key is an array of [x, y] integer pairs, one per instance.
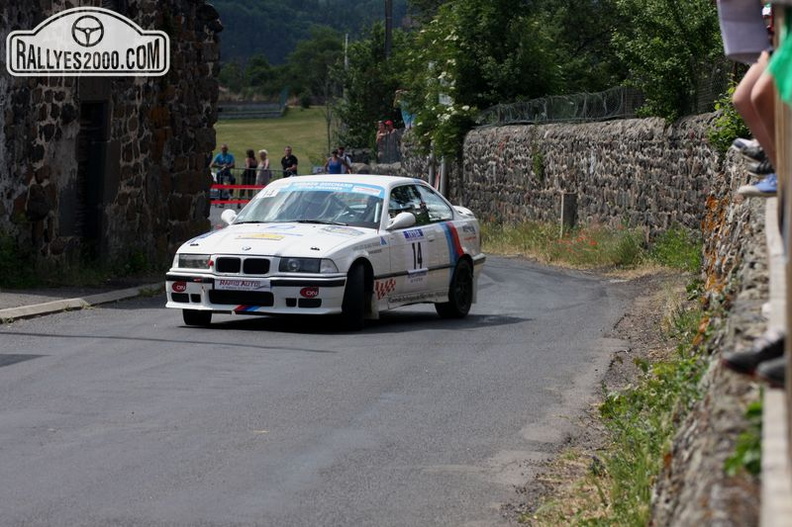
{"points": [[388, 27]]}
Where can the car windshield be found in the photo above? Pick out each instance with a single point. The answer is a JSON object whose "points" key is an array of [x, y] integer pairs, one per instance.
{"points": [[316, 202]]}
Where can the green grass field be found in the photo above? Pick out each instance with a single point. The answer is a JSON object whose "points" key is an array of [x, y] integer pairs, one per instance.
{"points": [[304, 129]]}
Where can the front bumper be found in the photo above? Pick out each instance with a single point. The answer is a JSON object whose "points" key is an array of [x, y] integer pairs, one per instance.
{"points": [[276, 295]]}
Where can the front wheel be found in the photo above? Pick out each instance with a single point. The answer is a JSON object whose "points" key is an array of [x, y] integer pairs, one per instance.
{"points": [[353, 308], [193, 317], [460, 293]]}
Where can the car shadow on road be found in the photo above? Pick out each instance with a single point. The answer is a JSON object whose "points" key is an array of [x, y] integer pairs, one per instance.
{"points": [[389, 322], [398, 321]]}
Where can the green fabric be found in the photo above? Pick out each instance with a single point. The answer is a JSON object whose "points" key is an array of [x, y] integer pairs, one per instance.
{"points": [[780, 66]]}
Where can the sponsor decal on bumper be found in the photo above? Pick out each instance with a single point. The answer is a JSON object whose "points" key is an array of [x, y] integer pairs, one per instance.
{"points": [[241, 284]]}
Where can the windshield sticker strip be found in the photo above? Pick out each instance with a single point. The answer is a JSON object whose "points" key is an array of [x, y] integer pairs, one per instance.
{"points": [[335, 186]]}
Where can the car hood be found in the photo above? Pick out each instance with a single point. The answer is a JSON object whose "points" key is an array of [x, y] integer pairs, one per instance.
{"points": [[276, 239]]}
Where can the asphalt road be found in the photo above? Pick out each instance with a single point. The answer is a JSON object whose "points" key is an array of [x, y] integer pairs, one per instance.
{"points": [[120, 415]]}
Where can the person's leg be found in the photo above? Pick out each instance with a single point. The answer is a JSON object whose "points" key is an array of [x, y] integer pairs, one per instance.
{"points": [[750, 98], [763, 101], [741, 98]]}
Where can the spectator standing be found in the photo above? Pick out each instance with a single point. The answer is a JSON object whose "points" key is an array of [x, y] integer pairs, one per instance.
{"points": [[391, 143], [289, 162], [249, 175], [263, 172], [336, 165], [400, 103], [224, 162], [382, 133], [346, 158]]}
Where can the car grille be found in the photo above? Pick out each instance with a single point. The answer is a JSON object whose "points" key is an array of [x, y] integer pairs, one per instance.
{"points": [[233, 265], [250, 298]]}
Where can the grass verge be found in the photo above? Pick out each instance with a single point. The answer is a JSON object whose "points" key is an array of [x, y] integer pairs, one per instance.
{"points": [[595, 247]]}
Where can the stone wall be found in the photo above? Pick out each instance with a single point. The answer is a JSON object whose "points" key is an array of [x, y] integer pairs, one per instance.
{"points": [[639, 172], [145, 140], [694, 488]]}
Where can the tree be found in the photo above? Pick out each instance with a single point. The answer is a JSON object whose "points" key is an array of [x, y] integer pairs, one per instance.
{"points": [[370, 84], [469, 55], [311, 66], [666, 46], [262, 78], [581, 31], [232, 76], [473, 55], [425, 9], [258, 70]]}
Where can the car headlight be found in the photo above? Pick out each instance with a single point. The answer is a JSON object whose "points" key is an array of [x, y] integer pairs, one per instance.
{"points": [[307, 265], [193, 261]]}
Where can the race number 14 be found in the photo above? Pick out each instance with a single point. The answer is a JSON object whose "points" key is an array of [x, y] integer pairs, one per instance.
{"points": [[417, 255]]}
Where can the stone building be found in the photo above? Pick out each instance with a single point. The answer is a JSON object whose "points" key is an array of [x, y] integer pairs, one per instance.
{"points": [[108, 168]]}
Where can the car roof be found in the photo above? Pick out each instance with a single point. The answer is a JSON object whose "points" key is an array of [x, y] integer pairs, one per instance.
{"points": [[381, 180]]}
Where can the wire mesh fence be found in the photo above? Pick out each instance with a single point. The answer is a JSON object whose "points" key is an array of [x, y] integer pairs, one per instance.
{"points": [[615, 103], [713, 82]]}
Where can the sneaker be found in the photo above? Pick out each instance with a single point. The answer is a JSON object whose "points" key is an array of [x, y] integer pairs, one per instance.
{"points": [[761, 168], [740, 144], [754, 153], [766, 188], [767, 347], [773, 372]]}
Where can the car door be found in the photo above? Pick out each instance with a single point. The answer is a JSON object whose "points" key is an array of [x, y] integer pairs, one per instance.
{"points": [[446, 248], [412, 249]]}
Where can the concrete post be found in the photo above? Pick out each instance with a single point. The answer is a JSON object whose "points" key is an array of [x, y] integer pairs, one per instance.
{"points": [[568, 211]]}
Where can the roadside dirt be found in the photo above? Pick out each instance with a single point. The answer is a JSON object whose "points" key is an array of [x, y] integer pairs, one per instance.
{"points": [[561, 478]]}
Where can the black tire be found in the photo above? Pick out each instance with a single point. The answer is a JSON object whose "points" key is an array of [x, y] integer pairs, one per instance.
{"points": [[460, 293], [193, 317], [353, 307]]}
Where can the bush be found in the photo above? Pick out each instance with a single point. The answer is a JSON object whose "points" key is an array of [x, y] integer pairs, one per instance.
{"points": [[728, 125]]}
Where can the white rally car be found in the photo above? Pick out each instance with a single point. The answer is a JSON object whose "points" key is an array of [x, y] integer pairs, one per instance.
{"points": [[348, 245]]}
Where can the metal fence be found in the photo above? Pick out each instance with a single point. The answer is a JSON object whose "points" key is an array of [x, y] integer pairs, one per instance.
{"points": [[713, 82], [252, 109], [234, 187], [616, 103], [248, 110]]}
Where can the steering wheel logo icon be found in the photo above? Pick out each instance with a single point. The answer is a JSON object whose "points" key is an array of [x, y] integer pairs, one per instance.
{"points": [[87, 31]]}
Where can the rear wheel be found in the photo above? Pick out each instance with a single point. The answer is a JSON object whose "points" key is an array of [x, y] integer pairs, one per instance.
{"points": [[460, 293], [193, 317], [353, 308]]}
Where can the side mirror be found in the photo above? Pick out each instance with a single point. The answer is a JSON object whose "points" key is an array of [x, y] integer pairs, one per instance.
{"points": [[464, 211], [228, 216], [401, 221]]}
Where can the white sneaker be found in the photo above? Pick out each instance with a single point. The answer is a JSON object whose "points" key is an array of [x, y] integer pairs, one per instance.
{"points": [[741, 143], [766, 309]]}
